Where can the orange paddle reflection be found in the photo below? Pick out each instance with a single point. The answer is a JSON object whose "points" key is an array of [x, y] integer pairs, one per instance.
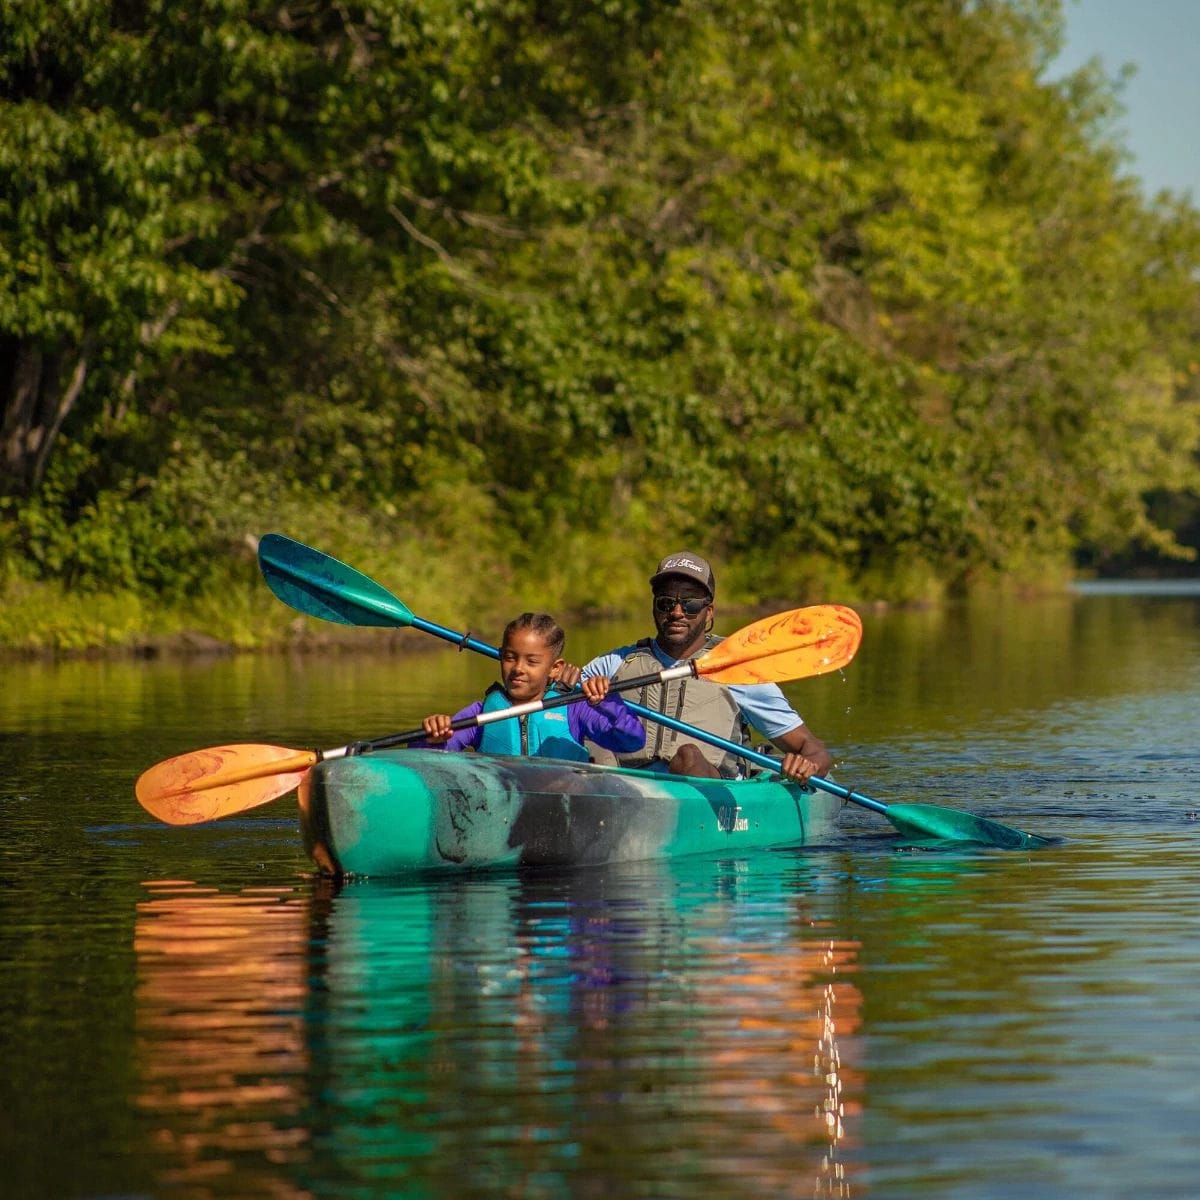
{"points": [[220, 1043], [779, 1056]]}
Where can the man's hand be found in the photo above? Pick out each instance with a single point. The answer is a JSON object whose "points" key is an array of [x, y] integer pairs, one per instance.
{"points": [[799, 768], [596, 688]]}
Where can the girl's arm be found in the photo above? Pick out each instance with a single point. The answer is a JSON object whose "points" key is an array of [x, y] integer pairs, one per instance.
{"points": [[609, 723]]}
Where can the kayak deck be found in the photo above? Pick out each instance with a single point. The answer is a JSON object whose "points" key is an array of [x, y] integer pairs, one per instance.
{"points": [[398, 811]]}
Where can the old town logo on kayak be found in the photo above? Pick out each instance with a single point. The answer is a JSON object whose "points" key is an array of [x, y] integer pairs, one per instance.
{"points": [[728, 819]]}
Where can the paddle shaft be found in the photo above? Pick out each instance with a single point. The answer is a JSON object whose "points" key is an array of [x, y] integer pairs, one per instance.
{"points": [[532, 706], [463, 641], [763, 760], [912, 820], [222, 768], [517, 710], [701, 735]]}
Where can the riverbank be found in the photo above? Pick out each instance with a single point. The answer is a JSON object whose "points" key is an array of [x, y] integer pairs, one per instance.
{"points": [[192, 643], [301, 636], [41, 621], [47, 621], [44, 622], [234, 612]]}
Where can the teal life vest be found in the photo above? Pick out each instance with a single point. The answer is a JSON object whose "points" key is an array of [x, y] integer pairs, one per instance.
{"points": [[546, 733]]}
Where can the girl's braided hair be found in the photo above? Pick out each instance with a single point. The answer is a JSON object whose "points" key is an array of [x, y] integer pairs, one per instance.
{"points": [[544, 625]]}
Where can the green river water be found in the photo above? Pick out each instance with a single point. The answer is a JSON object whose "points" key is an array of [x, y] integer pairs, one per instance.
{"points": [[193, 1013]]}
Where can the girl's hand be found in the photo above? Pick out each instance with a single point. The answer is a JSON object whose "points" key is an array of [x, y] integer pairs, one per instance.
{"points": [[596, 688], [568, 675], [437, 728]]}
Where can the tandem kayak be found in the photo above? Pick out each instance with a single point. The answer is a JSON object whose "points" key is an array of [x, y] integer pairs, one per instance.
{"points": [[397, 811]]}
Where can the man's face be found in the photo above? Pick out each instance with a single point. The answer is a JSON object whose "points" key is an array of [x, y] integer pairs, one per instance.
{"points": [[682, 610]]}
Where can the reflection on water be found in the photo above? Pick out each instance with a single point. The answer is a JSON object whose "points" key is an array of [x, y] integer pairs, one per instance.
{"points": [[644, 1034], [849, 1019], [221, 1044]]}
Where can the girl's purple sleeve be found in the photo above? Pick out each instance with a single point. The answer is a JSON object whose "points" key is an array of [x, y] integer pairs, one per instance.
{"points": [[460, 739], [610, 724]]}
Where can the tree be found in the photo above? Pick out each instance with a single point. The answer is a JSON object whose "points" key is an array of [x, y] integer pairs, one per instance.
{"points": [[846, 280]]}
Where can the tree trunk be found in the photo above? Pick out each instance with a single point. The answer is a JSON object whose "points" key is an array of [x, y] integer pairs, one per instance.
{"points": [[36, 403]]}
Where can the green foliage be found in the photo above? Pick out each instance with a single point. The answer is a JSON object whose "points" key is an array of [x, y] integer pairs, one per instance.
{"points": [[843, 292], [155, 533]]}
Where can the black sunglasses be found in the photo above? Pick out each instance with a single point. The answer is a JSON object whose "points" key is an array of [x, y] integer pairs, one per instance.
{"points": [[692, 605]]}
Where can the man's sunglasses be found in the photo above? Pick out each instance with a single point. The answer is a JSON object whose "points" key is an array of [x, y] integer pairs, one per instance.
{"points": [[692, 605]]}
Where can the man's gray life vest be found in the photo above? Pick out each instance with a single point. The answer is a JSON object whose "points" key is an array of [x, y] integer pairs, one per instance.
{"points": [[695, 701]]}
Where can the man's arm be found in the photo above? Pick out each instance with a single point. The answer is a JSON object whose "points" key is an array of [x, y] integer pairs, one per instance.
{"points": [[767, 709], [805, 754]]}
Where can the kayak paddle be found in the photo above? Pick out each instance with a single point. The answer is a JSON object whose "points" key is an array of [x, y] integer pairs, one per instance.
{"points": [[332, 590], [223, 780], [922, 821]]}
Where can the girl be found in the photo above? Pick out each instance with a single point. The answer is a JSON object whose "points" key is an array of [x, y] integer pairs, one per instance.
{"points": [[530, 663]]}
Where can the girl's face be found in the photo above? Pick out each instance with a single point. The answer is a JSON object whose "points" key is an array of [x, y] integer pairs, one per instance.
{"points": [[527, 666]]}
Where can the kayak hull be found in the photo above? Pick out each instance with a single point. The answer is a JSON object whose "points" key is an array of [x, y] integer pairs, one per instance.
{"points": [[394, 812]]}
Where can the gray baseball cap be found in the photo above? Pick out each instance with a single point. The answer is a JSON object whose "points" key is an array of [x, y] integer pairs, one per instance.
{"points": [[688, 566]]}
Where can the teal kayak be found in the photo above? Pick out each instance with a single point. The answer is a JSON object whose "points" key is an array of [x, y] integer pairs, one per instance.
{"points": [[397, 811]]}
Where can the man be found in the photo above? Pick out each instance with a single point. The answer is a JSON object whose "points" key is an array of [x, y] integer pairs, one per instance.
{"points": [[684, 591]]}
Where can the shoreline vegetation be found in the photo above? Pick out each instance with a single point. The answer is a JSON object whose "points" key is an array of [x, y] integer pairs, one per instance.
{"points": [[501, 302], [83, 627], [42, 621], [45, 622]]}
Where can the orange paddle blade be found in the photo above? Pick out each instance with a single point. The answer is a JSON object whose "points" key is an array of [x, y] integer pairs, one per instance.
{"points": [[791, 645], [221, 781]]}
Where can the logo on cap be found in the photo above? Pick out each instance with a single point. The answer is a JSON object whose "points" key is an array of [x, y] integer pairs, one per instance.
{"points": [[691, 565], [673, 564]]}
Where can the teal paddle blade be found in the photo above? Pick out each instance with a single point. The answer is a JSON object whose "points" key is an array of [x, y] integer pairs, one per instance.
{"points": [[928, 822], [321, 586]]}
